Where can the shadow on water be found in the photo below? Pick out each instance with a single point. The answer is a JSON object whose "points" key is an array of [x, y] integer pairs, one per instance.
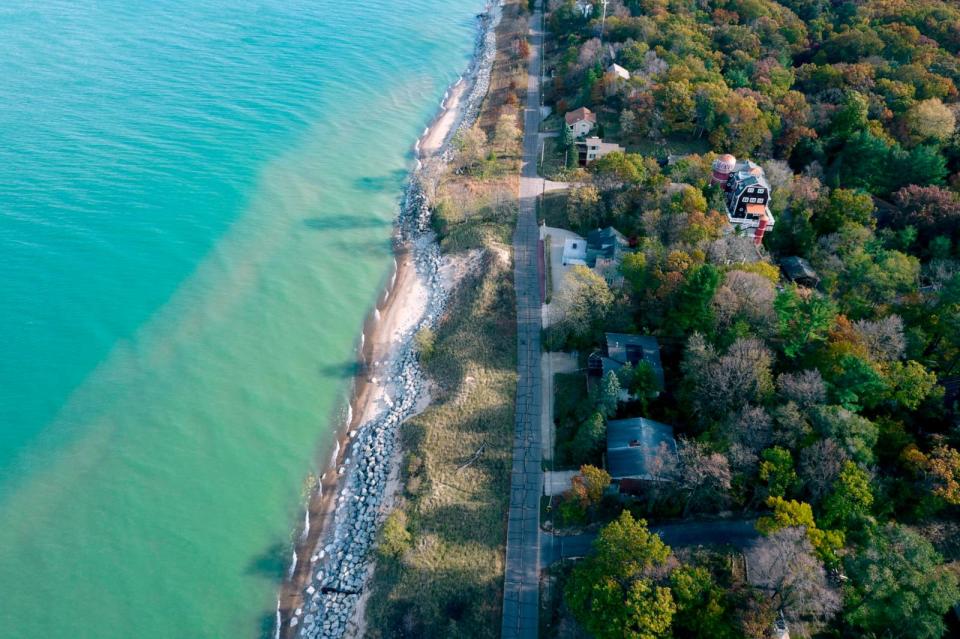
{"points": [[343, 370], [272, 563], [393, 181], [344, 222], [266, 627]]}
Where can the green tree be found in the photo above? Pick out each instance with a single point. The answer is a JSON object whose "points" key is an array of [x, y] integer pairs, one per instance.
{"points": [[911, 383], [897, 581], [584, 303], [844, 206], [798, 514], [608, 396], [703, 609], [590, 438], [856, 383], [628, 168], [856, 434], [583, 206], [614, 592], [849, 504], [804, 317], [694, 311], [633, 267], [776, 469]]}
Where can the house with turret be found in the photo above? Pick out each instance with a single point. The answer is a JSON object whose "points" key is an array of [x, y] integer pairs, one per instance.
{"points": [[747, 195]]}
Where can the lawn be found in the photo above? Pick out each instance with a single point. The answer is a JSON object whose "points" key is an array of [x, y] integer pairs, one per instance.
{"points": [[553, 210]]}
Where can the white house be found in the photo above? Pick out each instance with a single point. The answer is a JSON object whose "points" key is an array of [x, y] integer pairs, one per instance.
{"points": [[585, 7], [618, 71], [580, 121], [574, 252], [595, 148]]}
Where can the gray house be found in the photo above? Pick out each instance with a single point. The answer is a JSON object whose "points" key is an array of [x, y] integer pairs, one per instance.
{"points": [[623, 348], [796, 269], [634, 447]]}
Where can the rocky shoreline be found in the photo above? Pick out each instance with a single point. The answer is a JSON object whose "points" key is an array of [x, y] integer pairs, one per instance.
{"points": [[341, 564]]}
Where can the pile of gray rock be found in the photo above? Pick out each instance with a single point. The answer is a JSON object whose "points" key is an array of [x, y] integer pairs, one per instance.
{"points": [[341, 567]]}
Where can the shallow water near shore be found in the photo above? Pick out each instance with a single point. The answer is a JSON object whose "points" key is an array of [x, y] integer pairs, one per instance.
{"points": [[195, 216]]}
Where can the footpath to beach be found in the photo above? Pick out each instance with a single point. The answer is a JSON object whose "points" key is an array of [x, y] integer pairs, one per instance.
{"points": [[522, 579]]}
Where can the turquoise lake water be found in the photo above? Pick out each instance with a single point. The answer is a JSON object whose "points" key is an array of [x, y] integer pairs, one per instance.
{"points": [[196, 200]]}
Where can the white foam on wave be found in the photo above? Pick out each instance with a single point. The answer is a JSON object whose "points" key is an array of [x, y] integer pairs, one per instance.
{"points": [[349, 405], [376, 314], [306, 523], [336, 451], [276, 632], [293, 565]]}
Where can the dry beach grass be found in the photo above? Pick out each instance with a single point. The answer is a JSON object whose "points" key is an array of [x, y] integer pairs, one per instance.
{"points": [[448, 581]]}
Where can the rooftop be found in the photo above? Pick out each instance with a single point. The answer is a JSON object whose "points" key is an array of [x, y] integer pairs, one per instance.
{"points": [[633, 445], [798, 269], [583, 113], [624, 347]]}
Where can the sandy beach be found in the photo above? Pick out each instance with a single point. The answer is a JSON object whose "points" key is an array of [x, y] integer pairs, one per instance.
{"points": [[415, 295], [445, 124]]}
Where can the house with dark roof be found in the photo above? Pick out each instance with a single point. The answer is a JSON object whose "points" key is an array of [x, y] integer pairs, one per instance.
{"points": [[623, 348], [747, 194], [796, 269], [607, 244], [634, 450]]}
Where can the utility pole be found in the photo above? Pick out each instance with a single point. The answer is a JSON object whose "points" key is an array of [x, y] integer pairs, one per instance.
{"points": [[603, 21]]}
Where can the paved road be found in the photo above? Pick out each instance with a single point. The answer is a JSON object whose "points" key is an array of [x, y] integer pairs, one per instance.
{"points": [[521, 590], [739, 534]]}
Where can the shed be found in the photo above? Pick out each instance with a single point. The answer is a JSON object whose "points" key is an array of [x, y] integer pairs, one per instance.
{"points": [[618, 71], [574, 251], [798, 270], [633, 445]]}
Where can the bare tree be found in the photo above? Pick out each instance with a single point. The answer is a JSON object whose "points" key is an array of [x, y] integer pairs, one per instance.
{"points": [[590, 52], [704, 475], [732, 249], [663, 467], [745, 296], [751, 427], [790, 425], [820, 465], [783, 565], [806, 388], [723, 383], [507, 132], [883, 338]]}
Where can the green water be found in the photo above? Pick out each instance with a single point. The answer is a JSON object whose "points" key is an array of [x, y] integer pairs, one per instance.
{"points": [[195, 209]]}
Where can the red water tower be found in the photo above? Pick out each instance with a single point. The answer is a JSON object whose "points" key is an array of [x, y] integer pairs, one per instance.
{"points": [[723, 166]]}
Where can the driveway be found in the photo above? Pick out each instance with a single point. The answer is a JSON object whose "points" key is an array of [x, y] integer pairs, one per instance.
{"points": [[550, 365], [558, 272], [739, 533]]}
